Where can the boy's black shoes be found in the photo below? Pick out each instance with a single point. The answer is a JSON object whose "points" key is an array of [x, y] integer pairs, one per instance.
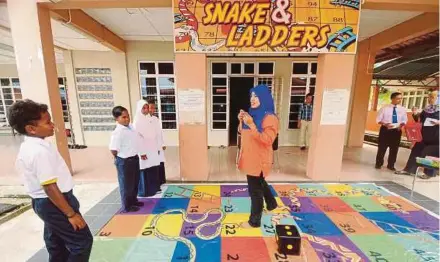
{"points": [[132, 209], [139, 204]]}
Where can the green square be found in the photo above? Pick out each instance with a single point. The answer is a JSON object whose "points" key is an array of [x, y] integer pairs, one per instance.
{"points": [[382, 248], [110, 249], [364, 204]]}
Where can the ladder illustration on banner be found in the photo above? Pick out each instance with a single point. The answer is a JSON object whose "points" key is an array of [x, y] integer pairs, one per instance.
{"points": [[342, 39]]}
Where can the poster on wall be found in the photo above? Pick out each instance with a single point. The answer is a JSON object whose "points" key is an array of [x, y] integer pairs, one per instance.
{"points": [[266, 26], [334, 106], [191, 106]]}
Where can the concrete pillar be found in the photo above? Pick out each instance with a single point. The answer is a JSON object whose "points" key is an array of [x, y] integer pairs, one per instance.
{"points": [[375, 98], [335, 71], [361, 94], [191, 73], [34, 53]]}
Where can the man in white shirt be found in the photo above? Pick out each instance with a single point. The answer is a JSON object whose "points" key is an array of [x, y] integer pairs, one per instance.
{"points": [[391, 118], [124, 146], [157, 127], [48, 181]]}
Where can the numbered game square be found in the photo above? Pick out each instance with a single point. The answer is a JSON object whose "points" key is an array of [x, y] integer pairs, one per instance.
{"points": [[389, 222], [168, 224], [170, 203], [174, 191], [231, 227], [199, 206], [396, 204], [268, 226], [317, 224], [353, 223], [206, 250], [314, 190], [307, 252], [244, 249], [421, 220], [336, 248], [288, 190], [123, 226], [382, 248], [234, 191], [189, 229], [301, 205], [363, 204], [236, 205], [331, 204]]}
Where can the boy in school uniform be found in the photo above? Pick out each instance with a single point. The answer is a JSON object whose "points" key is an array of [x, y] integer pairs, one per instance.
{"points": [[49, 183], [124, 146]]}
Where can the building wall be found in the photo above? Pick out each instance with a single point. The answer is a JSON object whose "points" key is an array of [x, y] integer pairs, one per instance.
{"points": [[96, 59], [152, 51], [10, 70]]}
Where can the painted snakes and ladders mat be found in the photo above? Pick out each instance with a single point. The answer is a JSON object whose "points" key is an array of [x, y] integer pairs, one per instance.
{"points": [[338, 222]]}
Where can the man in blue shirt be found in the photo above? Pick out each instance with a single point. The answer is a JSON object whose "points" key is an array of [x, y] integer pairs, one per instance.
{"points": [[305, 121]]}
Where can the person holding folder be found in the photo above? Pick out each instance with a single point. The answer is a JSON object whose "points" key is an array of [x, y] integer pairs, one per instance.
{"points": [[391, 118]]}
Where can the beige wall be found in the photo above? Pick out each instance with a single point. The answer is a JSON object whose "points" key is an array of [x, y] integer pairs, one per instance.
{"points": [[152, 51], [10, 70], [90, 59]]}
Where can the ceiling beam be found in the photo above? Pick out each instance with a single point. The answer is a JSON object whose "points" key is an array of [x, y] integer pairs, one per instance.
{"points": [[425, 6], [415, 27], [81, 21], [81, 4]]}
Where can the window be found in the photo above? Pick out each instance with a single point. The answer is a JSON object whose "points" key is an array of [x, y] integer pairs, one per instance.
{"points": [[64, 101], [415, 98], [10, 92], [157, 83], [303, 81], [219, 84]]}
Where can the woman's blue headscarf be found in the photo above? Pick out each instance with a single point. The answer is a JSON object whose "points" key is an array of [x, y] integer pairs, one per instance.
{"points": [[266, 106]]}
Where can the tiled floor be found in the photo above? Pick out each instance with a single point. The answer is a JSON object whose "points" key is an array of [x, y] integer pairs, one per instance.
{"points": [[101, 213]]}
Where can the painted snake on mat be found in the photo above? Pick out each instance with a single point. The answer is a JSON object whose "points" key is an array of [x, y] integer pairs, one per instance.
{"points": [[188, 243]]}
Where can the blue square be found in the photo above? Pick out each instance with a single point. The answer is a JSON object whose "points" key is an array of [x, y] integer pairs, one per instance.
{"points": [[152, 248], [389, 222], [205, 250], [317, 224], [236, 205], [165, 204]]}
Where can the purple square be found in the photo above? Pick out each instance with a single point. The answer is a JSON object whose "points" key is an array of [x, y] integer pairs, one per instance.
{"points": [[325, 252], [234, 191], [421, 220], [189, 229], [149, 204], [307, 205]]}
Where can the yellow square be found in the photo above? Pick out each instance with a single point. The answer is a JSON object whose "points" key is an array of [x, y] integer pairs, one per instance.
{"points": [[332, 16], [351, 16], [231, 227], [199, 13], [342, 190], [307, 3], [308, 15], [169, 225], [327, 4], [209, 190], [207, 31]]}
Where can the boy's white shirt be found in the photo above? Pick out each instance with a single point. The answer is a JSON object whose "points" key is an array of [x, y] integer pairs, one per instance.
{"points": [[40, 163], [126, 141]]}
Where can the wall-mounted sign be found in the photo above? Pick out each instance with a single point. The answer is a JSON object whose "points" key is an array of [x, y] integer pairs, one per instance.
{"points": [[191, 106], [290, 26], [335, 106]]}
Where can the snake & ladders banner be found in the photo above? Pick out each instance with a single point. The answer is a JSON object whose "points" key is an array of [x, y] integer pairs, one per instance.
{"points": [[266, 26]]}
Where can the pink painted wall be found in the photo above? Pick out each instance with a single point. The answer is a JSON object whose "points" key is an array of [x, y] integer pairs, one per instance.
{"points": [[335, 71], [190, 71]]}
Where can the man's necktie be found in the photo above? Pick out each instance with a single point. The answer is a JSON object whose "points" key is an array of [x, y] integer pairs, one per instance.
{"points": [[395, 115]]}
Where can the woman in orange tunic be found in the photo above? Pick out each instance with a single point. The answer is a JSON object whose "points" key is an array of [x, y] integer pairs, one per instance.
{"points": [[259, 129]]}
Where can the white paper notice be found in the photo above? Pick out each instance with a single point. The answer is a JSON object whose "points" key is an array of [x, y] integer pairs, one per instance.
{"points": [[191, 106], [430, 121], [334, 107]]}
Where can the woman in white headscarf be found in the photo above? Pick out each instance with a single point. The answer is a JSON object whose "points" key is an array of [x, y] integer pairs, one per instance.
{"points": [[149, 179]]}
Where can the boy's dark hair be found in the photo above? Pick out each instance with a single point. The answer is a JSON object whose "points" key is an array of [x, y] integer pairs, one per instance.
{"points": [[25, 112], [393, 95], [309, 94], [118, 110]]}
